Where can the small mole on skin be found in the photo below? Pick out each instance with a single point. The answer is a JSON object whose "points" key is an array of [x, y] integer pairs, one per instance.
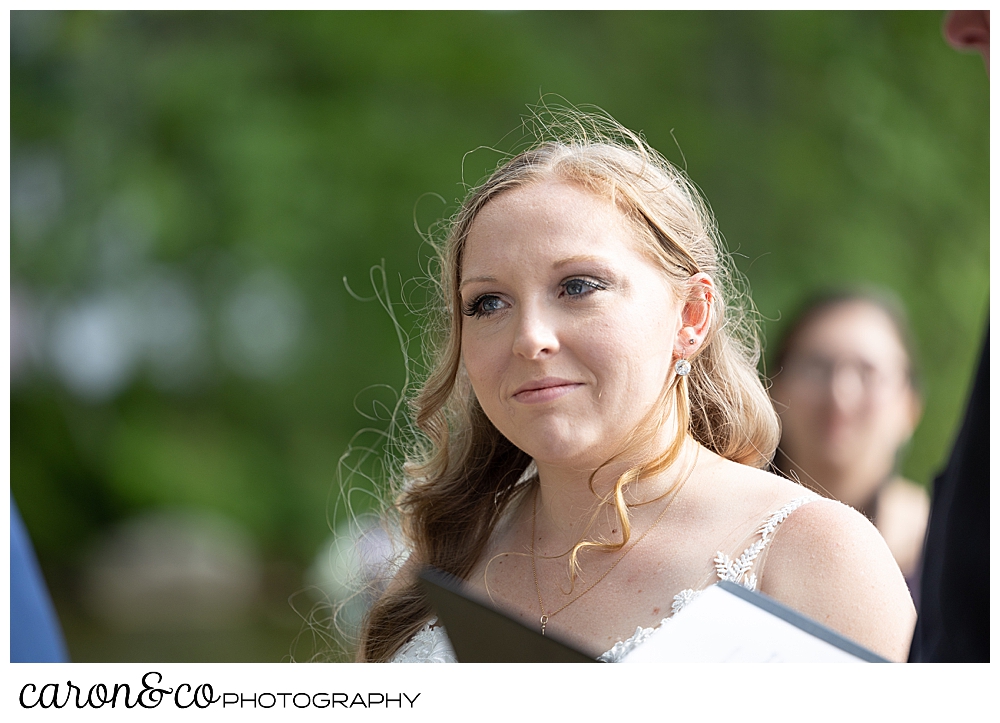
{"points": [[656, 611]]}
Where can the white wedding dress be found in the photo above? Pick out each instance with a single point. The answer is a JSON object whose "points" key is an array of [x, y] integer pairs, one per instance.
{"points": [[431, 645]]}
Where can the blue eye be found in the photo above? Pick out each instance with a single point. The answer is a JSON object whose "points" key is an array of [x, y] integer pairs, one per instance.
{"points": [[481, 306], [581, 287], [489, 304]]}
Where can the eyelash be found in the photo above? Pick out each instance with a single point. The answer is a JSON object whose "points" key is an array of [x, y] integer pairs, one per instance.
{"points": [[590, 284], [475, 307]]}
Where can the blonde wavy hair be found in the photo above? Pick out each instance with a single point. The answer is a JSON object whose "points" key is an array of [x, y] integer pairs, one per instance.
{"points": [[462, 475]]}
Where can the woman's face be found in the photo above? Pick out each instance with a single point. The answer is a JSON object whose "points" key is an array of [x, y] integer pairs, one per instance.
{"points": [[568, 332], [844, 395]]}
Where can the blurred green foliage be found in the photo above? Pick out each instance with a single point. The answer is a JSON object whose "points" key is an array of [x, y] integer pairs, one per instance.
{"points": [[209, 148]]}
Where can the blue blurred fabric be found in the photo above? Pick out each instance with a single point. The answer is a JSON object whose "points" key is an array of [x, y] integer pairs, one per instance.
{"points": [[35, 634]]}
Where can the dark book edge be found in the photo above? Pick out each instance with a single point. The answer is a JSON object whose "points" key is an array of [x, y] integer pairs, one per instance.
{"points": [[449, 600]]}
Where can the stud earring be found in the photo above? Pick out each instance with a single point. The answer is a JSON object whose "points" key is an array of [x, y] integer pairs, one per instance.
{"points": [[682, 368]]}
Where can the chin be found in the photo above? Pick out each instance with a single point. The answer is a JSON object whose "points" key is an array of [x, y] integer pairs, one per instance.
{"points": [[564, 452], [839, 459], [544, 442]]}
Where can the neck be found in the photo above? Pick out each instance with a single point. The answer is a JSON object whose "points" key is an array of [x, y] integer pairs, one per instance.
{"points": [[570, 509]]}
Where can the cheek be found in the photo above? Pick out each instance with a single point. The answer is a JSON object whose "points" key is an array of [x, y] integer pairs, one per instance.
{"points": [[481, 364], [804, 416], [892, 416], [632, 360]]}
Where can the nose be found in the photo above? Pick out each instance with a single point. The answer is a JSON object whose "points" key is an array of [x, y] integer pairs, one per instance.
{"points": [[847, 388], [535, 335]]}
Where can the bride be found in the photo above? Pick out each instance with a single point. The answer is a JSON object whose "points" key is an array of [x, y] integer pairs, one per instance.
{"points": [[594, 429]]}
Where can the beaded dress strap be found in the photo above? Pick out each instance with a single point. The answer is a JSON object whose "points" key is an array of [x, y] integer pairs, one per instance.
{"points": [[740, 569]]}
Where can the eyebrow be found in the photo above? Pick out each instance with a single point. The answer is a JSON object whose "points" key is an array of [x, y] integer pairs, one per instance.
{"points": [[579, 259], [557, 265], [476, 280]]}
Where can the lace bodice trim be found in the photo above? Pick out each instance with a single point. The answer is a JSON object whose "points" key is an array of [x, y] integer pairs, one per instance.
{"points": [[431, 645]]}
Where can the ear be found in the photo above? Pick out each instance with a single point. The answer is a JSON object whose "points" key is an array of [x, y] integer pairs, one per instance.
{"points": [[915, 412], [696, 315]]}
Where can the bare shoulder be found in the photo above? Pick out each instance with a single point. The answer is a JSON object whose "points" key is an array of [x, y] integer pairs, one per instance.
{"points": [[830, 563], [751, 484]]}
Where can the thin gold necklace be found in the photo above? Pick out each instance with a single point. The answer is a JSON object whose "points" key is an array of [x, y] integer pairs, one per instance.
{"points": [[544, 619]]}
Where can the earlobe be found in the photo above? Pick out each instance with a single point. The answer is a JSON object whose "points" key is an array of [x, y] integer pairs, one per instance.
{"points": [[688, 342]]}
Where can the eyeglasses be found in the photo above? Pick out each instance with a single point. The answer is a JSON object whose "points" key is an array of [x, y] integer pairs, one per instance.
{"points": [[818, 372]]}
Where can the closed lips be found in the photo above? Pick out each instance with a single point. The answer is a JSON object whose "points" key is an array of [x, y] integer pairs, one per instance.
{"points": [[544, 390]]}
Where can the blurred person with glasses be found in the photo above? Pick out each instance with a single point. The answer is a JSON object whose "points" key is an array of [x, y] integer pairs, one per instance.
{"points": [[845, 387]]}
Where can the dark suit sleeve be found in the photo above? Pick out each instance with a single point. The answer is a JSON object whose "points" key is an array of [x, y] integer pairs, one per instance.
{"points": [[953, 624]]}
